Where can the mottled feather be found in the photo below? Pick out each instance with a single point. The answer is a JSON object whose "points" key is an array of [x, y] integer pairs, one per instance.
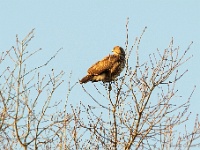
{"points": [[103, 65]]}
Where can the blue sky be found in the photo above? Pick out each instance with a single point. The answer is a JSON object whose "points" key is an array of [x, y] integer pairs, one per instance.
{"points": [[88, 30]]}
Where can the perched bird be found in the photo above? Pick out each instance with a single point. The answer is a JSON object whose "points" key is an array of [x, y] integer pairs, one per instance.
{"points": [[107, 69]]}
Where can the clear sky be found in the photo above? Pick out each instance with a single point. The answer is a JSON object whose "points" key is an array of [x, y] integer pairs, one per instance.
{"points": [[88, 30]]}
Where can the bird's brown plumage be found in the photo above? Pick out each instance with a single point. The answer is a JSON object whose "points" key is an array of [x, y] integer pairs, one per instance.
{"points": [[107, 69]]}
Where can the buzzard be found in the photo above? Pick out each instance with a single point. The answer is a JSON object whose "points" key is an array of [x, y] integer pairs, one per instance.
{"points": [[107, 69]]}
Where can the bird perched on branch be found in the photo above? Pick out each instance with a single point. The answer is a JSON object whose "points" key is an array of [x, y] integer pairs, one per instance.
{"points": [[107, 69]]}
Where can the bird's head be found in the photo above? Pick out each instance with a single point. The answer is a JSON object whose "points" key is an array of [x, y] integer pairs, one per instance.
{"points": [[117, 50]]}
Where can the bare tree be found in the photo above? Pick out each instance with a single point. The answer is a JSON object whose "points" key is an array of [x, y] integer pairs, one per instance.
{"points": [[140, 112]]}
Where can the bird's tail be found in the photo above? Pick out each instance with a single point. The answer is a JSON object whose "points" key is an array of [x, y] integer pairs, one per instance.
{"points": [[85, 79]]}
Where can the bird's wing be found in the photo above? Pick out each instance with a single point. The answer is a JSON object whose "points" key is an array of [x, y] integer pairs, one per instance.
{"points": [[103, 65]]}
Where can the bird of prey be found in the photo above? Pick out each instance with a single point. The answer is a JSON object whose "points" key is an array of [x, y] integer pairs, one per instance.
{"points": [[107, 69]]}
